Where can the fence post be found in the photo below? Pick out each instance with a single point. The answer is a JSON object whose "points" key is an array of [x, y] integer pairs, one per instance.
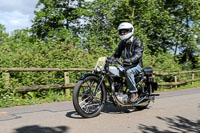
{"points": [[175, 79], [66, 75], [6, 77], [192, 78]]}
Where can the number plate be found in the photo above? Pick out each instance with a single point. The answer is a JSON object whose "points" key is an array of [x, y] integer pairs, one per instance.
{"points": [[100, 63]]}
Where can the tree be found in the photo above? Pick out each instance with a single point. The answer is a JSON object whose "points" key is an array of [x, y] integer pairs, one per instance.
{"points": [[164, 26], [99, 31], [22, 35], [3, 34], [56, 15], [104, 16], [185, 24]]}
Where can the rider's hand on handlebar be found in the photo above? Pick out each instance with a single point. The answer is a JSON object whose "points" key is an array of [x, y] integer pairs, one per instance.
{"points": [[127, 61], [111, 59]]}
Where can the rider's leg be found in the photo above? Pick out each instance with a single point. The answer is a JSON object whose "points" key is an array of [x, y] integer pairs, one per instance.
{"points": [[130, 79]]}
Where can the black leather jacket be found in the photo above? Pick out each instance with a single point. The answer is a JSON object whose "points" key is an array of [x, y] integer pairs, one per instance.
{"points": [[132, 51]]}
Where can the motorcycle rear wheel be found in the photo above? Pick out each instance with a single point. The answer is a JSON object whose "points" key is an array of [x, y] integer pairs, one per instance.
{"points": [[88, 101]]}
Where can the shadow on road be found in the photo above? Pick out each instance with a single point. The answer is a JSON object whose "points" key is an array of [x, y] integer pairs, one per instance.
{"points": [[39, 129], [74, 115], [177, 124], [108, 108]]}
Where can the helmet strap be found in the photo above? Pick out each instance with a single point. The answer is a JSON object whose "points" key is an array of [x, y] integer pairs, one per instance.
{"points": [[129, 39]]}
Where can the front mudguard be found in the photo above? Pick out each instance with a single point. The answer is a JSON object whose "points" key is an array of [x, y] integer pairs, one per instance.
{"points": [[82, 77]]}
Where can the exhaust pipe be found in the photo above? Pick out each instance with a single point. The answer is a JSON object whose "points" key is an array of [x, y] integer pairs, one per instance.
{"points": [[141, 102]]}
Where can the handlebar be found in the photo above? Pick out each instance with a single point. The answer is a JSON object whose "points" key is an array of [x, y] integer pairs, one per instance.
{"points": [[119, 62], [114, 61]]}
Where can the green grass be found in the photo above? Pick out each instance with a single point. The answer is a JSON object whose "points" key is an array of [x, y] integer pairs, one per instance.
{"points": [[15, 99], [190, 85], [20, 101], [186, 86]]}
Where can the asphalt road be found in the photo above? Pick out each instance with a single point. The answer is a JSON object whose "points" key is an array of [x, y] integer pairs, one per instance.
{"points": [[177, 111]]}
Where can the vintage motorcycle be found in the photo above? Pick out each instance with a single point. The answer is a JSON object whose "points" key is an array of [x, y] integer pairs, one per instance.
{"points": [[107, 82]]}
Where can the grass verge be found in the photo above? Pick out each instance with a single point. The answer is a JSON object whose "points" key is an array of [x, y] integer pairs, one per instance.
{"points": [[186, 86], [9, 99]]}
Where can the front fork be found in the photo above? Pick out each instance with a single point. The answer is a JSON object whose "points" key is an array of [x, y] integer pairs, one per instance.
{"points": [[99, 84]]}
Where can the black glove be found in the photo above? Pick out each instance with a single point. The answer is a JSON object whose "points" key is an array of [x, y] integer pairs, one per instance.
{"points": [[127, 61], [111, 59]]}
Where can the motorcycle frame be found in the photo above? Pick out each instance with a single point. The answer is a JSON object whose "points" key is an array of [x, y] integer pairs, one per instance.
{"points": [[105, 74]]}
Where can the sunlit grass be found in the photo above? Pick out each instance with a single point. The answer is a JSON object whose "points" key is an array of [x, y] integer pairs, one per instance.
{"points": [[186, 86], [30, 98]]}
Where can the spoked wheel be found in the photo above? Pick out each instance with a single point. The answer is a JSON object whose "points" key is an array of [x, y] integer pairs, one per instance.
{"points": [[89, 97]]}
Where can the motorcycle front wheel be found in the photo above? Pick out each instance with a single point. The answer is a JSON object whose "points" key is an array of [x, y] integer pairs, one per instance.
{"points": [[89, 97]]}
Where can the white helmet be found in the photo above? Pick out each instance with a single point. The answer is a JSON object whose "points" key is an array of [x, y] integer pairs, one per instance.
{"points": [[126, 26]]}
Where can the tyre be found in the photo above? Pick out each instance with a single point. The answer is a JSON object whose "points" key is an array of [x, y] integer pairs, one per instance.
{"points": [[88, 98]]}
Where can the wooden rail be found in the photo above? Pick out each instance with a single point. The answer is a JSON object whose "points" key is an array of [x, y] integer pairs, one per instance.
{"points": [[6, 77], [43, 69], [175, 74]]}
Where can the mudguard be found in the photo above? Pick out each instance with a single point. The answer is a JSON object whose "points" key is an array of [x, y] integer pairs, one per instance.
{"points": [[154, 86], [82, 77]]}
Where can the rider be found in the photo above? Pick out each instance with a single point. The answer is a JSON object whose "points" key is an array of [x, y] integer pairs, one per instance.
{"points": [[131, 50]]}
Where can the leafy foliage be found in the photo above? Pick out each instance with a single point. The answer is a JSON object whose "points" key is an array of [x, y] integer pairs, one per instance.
{"points": [[3, 35], [56, 15], [74, 33]]}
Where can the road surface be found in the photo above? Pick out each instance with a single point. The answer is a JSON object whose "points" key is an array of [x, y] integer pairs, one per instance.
{"points": [[175, 111]]}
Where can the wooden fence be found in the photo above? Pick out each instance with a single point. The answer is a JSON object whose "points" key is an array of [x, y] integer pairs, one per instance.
{"points": [[6, 77], [176, 74]]}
